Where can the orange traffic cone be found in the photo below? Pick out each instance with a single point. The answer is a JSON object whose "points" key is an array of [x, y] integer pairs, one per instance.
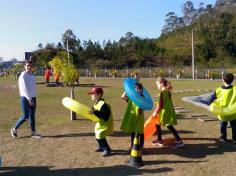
{"points": [[136, 154]]}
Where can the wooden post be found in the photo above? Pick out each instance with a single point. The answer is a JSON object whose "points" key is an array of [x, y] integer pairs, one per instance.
{"points": [[72, 113]]}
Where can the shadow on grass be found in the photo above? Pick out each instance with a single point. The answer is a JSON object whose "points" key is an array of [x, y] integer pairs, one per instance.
{"points": [[69, 135], [199, 150], [165, 131], [120, 170], [120, 134], [114, 134], [170, 162], [120, 152]]}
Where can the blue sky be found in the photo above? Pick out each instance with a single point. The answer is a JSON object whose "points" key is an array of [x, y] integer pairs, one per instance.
{"points": [[26, 23]]}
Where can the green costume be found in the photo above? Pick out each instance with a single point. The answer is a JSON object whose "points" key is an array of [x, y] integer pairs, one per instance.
{"points": [[133, 120], [103, 128], [167, 113]]}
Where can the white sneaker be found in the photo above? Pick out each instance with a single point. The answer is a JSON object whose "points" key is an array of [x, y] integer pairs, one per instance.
{"points": [[13, 132], [158, 143], [36, 136]]}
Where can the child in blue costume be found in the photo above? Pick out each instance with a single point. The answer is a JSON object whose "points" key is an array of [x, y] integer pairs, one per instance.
{"points": [[104, 126], [226, 96], [133, 121]]}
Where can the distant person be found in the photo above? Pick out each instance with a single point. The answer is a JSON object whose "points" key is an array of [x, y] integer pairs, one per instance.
{"points": [[104, 126], [47, 75], [226, 95], [56, 78], [27, 88], [77, 79], [166, 112]]}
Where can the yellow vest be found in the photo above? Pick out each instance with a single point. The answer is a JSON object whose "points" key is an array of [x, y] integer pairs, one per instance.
{"points": [[226, 98], [103, 128]]}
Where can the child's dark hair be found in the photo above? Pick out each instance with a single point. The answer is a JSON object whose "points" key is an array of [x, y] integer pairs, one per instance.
{"points": [[165, 83], [139, 85], [228, 78]]}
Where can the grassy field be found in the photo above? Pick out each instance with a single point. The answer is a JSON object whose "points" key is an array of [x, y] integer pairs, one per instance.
{"points": [[67, 147]]}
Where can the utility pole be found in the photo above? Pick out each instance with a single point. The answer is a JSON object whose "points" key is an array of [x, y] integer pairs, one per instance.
{"points": [[193, 72]]}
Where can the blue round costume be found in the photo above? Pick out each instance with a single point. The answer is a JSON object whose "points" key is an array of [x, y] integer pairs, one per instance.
{"points": [[145, 102]]}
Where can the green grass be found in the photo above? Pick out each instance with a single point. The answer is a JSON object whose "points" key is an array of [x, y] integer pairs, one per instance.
{"points": [[67, 147]]}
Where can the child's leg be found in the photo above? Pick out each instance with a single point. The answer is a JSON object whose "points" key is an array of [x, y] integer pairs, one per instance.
{"points": [[174, 132], [132, 135], [141, 138], [159, 135], [100, 147], [223, 130], [105, 144], [233, 126]]}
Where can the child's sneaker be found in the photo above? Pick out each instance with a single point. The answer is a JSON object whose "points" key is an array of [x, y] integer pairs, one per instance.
{"points": [[158, 143], [106, 153], [99, 149], [13, 132], [222, 140], [35, 135], [178, 144]]}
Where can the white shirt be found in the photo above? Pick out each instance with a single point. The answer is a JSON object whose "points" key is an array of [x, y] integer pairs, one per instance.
{"points": [[27, 85]]}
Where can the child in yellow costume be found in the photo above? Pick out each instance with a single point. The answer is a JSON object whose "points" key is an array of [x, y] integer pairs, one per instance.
{"points": [[104, 126], [226, 96], [133, 121], [166, 112]]}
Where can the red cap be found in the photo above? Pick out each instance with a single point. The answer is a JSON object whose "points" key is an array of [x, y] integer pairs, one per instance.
{"points": [[96, 90]]}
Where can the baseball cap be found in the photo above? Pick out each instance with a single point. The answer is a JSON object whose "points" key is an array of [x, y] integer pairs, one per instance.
{"points": [[96, 90]]}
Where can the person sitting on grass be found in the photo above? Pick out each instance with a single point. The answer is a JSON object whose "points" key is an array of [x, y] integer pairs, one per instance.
{"points": [[104, 126]]}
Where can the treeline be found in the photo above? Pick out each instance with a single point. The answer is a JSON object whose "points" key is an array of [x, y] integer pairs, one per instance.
{"points": [[214, 31], [129, 51]]}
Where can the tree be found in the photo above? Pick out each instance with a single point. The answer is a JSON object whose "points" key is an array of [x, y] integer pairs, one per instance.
{"points": [[59, 46], [16, 69], [70, 38], [189, 13], [171, 22], [68, 72]]}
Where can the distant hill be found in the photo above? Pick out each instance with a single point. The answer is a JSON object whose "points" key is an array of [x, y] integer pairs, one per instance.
{"points": [[214, 30]]}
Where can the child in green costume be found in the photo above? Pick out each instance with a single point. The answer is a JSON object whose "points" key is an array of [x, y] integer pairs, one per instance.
{"points": [[166, 112], [104, 126], [133, 121]]}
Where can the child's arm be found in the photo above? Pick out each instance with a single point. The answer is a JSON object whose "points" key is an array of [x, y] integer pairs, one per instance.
{"points": [[160, 105], [124, 96], [104, 112]]}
